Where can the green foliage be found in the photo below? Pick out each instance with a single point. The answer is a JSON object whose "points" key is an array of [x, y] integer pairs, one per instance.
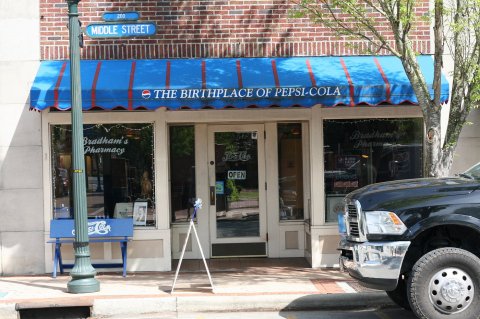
{"points": [[234, 192], [387, 25], [475, 93], [362, 19]]}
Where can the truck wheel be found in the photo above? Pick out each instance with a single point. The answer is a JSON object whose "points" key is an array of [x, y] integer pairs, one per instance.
{"points": [[399, 295], [445, 283]]}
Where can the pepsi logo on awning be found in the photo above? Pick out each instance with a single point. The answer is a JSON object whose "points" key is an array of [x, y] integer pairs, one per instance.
{"points": [[146, 94]]}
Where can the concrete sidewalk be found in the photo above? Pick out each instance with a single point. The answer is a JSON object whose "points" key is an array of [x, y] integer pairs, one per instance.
{"points": [[239, 285]]}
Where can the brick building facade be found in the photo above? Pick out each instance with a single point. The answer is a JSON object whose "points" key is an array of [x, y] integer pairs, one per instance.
{"points": [[283, 187], [200, 29]]}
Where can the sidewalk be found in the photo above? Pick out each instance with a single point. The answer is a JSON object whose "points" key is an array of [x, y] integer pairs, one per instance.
{"points": [[239, 285]]}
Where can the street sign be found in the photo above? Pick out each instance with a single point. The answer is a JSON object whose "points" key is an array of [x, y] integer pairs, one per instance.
{"points": [[121, 16], [120, 30]]}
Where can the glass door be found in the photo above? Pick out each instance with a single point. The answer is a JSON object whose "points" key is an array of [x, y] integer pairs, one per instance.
{"points": [[237, 190]]}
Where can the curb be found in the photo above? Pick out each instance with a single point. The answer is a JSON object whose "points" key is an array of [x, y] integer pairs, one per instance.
{"points": [[341, 301], [132, 306], [7, 311], [111, 307], [287, 302]]}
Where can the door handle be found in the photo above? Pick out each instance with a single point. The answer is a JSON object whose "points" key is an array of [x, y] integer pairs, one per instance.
{"points": [[212, 195]]}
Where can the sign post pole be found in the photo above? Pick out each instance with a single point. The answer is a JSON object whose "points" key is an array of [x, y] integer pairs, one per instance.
{"points": [[83, 274]]}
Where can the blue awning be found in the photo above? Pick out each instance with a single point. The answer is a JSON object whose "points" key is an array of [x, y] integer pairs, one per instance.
{"points": [[230, 83]]}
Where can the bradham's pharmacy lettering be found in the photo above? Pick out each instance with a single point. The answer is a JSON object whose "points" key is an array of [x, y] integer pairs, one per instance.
{"points": [[102, 145], [241, 93]]}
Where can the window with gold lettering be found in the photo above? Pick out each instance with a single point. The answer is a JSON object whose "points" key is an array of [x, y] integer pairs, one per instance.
{"points": [[119, 171], [359, 152]]}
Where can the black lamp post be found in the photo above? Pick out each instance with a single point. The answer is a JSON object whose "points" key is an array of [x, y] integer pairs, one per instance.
{"points": [[83, 274]]}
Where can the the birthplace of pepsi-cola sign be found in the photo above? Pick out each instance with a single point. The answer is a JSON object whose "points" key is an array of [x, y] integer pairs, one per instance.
{"points": [[205, 94]]}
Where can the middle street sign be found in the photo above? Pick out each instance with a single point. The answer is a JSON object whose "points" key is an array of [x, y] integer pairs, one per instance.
{"points": [[120, 30]]}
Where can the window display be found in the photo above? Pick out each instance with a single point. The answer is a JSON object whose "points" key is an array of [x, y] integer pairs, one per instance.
{"points": [[362, 152], [118, 167]]}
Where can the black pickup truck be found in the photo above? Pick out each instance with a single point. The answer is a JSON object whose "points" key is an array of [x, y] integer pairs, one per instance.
{"points": [[419, 240]]}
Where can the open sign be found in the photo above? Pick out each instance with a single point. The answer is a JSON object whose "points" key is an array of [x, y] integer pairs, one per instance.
{"points": [[237, 174]]}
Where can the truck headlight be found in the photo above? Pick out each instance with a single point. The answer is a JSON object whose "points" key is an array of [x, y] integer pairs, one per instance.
{"points": [[384, 223]]}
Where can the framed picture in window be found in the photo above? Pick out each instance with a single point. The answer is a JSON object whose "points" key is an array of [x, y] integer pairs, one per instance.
{"points": [[140, 213], [123, 210], [334, 205]]}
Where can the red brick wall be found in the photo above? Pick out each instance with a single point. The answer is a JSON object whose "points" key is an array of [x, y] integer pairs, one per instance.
{"points": [[203, 28]]}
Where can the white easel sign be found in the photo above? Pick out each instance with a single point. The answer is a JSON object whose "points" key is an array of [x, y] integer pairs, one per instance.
{"points": [[198, 205]]}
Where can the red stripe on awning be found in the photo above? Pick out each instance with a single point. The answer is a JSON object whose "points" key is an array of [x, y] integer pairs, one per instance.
{"points": [[57, 84], [167, 76], [275, 73], [350, 83], [382, 73], [310, 72], [239, 74], [130, 85], [94, 83], [204, 75]]}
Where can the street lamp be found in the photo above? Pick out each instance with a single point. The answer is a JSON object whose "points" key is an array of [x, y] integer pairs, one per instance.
{"points": [[83, 274]]}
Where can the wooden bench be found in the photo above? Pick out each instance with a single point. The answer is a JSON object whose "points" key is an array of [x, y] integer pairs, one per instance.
{"points": [[62, 231]]}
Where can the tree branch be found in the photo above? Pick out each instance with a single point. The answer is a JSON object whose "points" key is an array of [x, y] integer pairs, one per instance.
{"points": [[438, 35]]}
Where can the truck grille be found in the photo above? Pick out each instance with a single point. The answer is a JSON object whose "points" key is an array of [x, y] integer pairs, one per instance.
{"points": [[353, 220], [354, 229]]}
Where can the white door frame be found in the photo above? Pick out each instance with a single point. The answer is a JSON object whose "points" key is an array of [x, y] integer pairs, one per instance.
{"points": [[259, 128]]}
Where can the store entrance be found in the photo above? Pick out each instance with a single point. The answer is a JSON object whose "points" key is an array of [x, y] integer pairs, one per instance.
{"points": [[236, 161]]}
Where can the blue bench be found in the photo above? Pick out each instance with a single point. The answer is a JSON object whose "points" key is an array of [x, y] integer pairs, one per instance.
{"points": [[62, 231]]}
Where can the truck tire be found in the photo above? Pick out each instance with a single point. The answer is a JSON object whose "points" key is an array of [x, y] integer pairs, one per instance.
{"points": [[445, 283], [399, 295]]}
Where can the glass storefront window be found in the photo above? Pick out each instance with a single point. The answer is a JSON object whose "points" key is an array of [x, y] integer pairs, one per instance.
{"points": [[182, 172], [119, 171], [290, 171], [362, 152]]}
